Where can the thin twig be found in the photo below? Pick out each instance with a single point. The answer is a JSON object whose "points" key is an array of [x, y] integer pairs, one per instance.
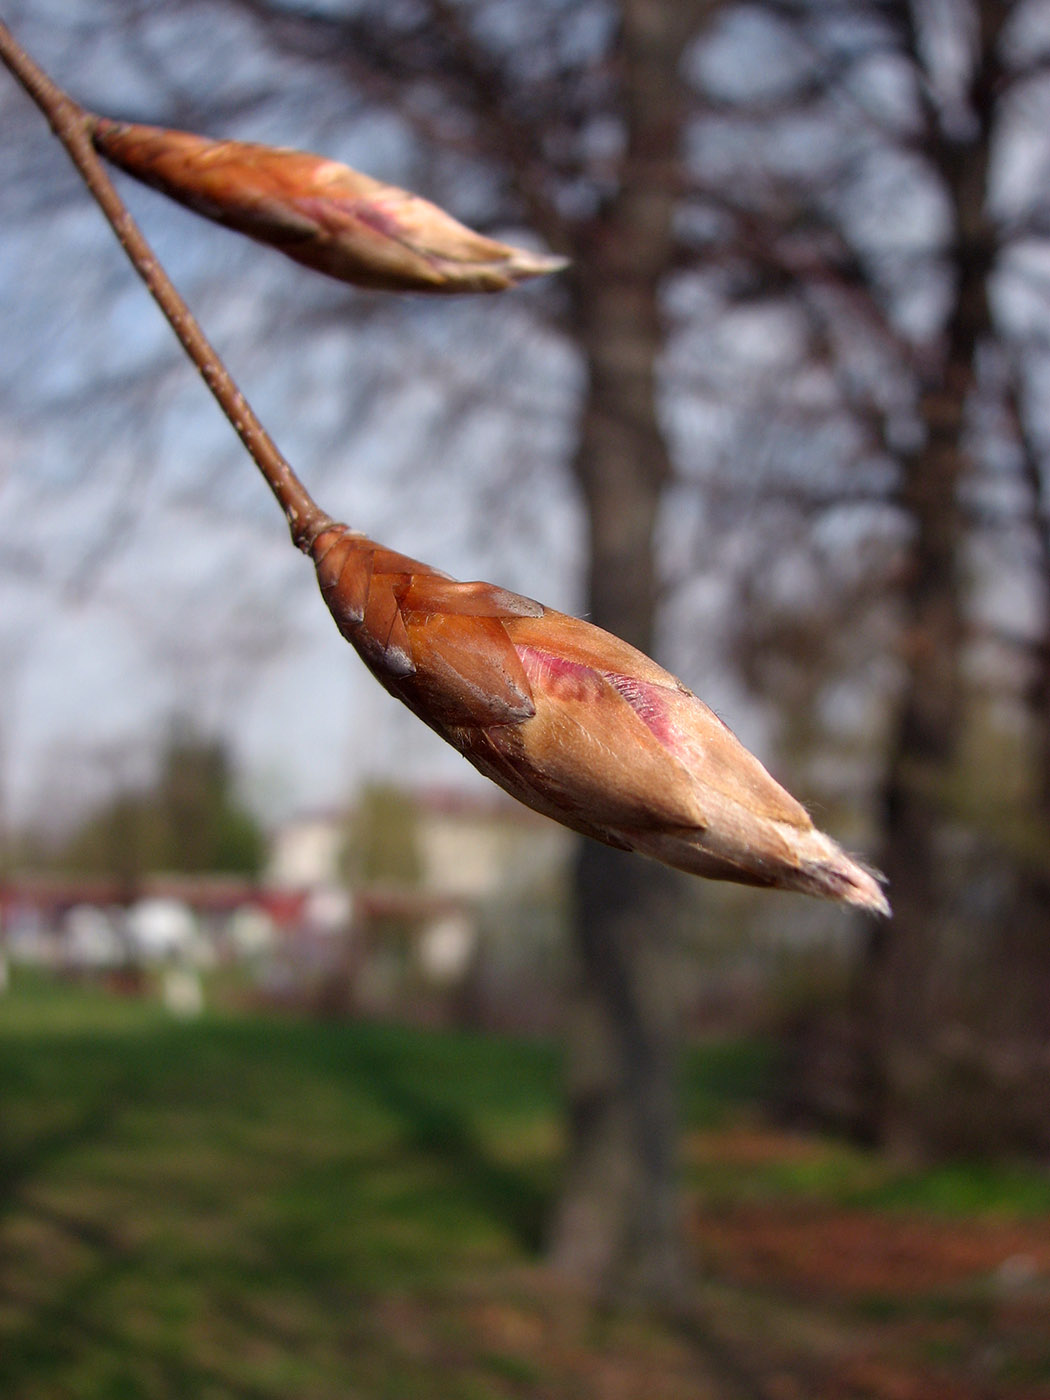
{"points": [[74, 126]]}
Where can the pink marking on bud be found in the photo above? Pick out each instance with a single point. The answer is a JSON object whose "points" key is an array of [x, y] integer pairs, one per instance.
{"points": [[649, 702], [559, 678], [375, 217]]}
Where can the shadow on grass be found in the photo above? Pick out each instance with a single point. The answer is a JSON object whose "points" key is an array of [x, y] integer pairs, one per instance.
{"points": [[59, 1333], [510, 1196], [215, 1210], [23, 1164]]}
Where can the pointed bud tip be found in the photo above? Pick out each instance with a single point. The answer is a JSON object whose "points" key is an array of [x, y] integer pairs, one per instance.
{"points": [[866, 894], [852, 883], [824, 869], [523, 264]]}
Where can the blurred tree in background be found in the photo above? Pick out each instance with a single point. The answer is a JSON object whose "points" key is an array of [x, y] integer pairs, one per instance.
{"points": [[919, 242], [807, 317], [190, 820]]}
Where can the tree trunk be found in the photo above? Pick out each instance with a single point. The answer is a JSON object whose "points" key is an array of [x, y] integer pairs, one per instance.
{"points": [[1033, 472], [619, 1207], [901, 954], [618, 1230], [899, 990]]}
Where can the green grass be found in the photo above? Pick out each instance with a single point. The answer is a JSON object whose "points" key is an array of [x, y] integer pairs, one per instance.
{"points": [[839, 1174], [214, 1208], [253, 1207], [720, 1077], [258, 1207]]}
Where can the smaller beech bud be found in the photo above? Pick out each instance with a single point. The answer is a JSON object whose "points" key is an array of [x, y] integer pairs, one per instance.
{"points": [[577, 724], [319, 212]]}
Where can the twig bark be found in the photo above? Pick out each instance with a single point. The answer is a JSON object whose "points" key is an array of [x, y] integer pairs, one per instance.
{"points": [[73, 126]]}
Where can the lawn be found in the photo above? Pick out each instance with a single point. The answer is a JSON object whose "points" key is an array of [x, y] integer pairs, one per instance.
{"points": [[257, 1207]]}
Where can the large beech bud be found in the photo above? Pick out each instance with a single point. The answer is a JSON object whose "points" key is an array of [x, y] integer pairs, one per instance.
{"points": [[577, 724], [320, 213]]}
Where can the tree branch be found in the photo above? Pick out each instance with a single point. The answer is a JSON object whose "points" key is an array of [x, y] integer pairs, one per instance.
{"points": [[74, 127]]}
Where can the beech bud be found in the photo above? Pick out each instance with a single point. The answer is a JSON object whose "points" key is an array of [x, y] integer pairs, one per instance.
{"points": [[319, 212], [577, 724]]}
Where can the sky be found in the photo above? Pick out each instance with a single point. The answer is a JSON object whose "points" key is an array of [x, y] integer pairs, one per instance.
{"points": [[144, 571]]}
